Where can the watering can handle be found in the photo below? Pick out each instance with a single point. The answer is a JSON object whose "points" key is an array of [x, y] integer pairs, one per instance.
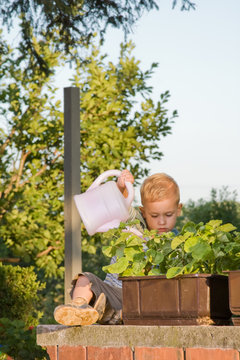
{"points": [[117, 173]]}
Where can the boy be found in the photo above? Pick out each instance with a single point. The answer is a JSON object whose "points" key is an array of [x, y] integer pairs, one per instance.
{"points": [[94, 300]]}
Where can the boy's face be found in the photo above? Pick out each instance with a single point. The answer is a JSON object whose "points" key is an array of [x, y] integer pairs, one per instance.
{"points": [[161, 215]]}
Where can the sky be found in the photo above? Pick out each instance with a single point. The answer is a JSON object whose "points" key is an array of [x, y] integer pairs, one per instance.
{"points": [[199, 56], [198, 53]]}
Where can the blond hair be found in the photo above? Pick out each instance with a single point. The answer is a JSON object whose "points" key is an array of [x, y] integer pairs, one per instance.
{"points": [[158, 187]]}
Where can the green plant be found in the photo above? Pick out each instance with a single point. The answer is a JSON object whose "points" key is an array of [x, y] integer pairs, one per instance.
{"points": [[19, 341], [199, 248], [19, 297], [19, 294]]}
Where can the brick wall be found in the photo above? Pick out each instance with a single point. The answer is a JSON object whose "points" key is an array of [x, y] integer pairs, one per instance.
{"points": [[139, 353]]}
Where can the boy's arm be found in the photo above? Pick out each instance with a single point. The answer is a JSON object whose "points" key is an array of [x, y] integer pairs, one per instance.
{"points": [[125, 176], [134, 214]]}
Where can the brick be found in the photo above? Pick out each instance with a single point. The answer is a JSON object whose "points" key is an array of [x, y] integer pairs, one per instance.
{"points": [[153, 353], [72, 353], [52, 352], [211, 354], [109, 353]]}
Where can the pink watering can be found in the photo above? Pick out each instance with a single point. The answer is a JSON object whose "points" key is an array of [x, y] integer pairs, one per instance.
{"points": [[103, 206]]}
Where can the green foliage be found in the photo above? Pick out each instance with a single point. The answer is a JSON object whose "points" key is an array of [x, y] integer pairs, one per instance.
{"points": [[222, 205], [50, 297], [19, 342], [19, 297], [31, 170], [121, 127], [210, 248], [19, 292]]}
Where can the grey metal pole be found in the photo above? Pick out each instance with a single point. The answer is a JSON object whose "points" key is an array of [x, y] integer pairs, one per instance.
{"points": [[72, 225]]}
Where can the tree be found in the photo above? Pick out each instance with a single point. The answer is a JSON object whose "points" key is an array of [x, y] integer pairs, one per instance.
{"points": [[73, 22], [118, 130], [31, 143], [31, 168]]}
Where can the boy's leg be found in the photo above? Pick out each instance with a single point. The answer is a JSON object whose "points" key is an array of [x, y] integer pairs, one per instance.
{"points": [[113, 311], [78, 312], [82, 289], [88, 289]]}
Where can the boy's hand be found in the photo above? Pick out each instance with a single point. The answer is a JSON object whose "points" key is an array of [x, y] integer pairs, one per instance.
{"points": [[125, 176]]}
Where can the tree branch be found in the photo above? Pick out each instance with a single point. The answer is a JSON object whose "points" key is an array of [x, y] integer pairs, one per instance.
{"points": [[47, 251], [10, 260], [16, 177], [43, 168], [5, 144], [21, 166]]}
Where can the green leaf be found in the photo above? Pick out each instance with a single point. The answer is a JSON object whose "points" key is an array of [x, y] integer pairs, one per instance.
{"points": [[190, 226], [118, 267], [201, 250], [158, 258], [226, 228], [107, 250], [119, 252], [139, 256], [190, 243], [128, 272], [154, 271], [130, 252], [180, 239], [223, 237], [190, 268], [214, 223], [134, 240], [138, 268], [177, 241], [174, 271], [150, 253]]}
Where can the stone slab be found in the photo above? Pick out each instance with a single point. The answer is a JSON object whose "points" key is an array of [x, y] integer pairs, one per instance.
{"points": [[226, 337]]}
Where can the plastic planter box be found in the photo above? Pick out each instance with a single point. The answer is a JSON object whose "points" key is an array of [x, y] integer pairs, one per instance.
{"points": [[199, 299]]}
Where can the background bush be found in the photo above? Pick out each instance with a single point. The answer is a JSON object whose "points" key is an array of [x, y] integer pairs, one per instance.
{"points": [[19, 297], [19, 294], [222, 205]]}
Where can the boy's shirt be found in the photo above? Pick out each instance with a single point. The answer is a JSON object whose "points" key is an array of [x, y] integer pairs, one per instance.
{"points": [[134, 213]]}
